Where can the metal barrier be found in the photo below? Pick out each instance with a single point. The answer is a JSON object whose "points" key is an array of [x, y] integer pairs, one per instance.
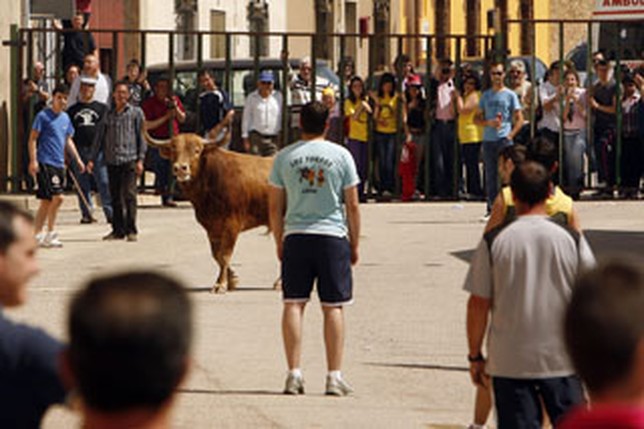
{"points": [[615, 56], [23, 58]]}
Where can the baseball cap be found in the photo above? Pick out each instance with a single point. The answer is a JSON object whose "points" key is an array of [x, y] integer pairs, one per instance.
{"points": [[87, 80], [266, 76]]}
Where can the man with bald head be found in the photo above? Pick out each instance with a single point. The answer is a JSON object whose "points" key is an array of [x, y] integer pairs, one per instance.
{"points": [[92, 69]]}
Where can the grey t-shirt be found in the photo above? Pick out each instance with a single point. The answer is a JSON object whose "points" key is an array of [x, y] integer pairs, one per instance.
{"points": [[527, 270]]}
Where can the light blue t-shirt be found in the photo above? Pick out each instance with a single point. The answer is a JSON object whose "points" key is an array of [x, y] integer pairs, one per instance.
{"points": [[314, 175], [53, 130], [504, 101]]}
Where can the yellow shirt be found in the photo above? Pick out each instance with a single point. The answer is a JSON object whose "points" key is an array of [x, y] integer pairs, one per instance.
{"points": [[387, 122], [358, 129], [468, 132], [558, 206]]}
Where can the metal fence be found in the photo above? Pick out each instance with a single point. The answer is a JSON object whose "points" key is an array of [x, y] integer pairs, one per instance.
{"points": [[369, 61], [614, 49]]}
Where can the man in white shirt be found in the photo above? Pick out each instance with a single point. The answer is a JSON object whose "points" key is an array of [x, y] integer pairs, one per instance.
{"points": [[92, 69], [549, 94], [262, 118]]}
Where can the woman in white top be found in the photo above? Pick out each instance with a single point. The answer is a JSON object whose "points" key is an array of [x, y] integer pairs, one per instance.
{"points": [[574, 125]]}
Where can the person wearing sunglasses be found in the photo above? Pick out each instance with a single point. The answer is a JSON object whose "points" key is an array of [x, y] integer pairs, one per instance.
{"points": [[499, 112]]}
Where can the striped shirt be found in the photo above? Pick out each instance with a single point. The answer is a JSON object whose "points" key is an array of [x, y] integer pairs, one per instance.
{"points": [[121, 137]]}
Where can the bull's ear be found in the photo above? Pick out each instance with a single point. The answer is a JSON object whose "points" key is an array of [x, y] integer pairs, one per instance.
{"points": [[165, 152]]}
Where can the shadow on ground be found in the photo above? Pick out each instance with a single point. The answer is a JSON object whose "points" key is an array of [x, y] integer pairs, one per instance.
{"points": [[605, 244]]}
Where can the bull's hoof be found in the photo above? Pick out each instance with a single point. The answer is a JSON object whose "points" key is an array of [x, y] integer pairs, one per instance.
{"points": [[218, 289], [278, 284]]}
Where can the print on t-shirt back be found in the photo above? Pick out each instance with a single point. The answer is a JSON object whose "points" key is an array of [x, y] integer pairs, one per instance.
{"points": [[311, 171]]}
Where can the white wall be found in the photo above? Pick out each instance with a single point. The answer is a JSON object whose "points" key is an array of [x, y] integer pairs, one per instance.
{"points": [[157, 15], [11, 14]]}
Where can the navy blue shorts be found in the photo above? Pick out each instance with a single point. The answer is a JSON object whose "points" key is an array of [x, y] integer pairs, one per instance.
{"points": [[518, 401], [308, 257], [51, 181]]}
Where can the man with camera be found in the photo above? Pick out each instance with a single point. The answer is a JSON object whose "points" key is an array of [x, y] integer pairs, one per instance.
{"points": [[163, 114]]}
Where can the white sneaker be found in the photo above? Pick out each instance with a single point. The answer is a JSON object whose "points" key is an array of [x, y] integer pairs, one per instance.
{"points": [[51, 240], [294, 385], [337, 387], [40, 239], [485, 218]]}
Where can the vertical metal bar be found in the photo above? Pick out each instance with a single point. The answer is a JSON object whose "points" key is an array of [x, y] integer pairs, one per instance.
{"points": [[590, 140], [115, 55], [372, 85], [142, 35], [561, 101], [535, 83], [171, 74], [228, 73], [457, 170], [143, 63], [314, 67], [16, 108], [285, 80], [429, 84], [59, 56], [199, 67], [399, 116], [257, 37], [618, 112], [343, 48]]}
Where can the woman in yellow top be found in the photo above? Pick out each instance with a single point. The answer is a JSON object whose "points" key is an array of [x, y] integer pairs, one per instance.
{"points": [[469, 134], [356, 112], [386, 116]]}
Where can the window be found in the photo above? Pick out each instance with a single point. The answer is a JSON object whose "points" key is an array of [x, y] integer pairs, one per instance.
{"points": [[526, 13], [442, 27], [217, 41]]}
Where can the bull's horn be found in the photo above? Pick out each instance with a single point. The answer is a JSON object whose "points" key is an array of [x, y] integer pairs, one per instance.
{"points": [[207, 141], [155, 142]]}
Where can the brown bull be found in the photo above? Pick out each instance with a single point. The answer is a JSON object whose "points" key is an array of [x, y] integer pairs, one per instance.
{"points": [[228, 190]]}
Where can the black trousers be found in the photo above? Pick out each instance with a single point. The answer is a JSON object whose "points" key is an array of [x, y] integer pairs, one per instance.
{"points": [[632, 159], [123, 192]]}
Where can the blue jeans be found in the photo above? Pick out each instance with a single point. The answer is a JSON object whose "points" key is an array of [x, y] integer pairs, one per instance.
{"points": [[442, 157], [161, 175], [359, 150], [471, 155], [385, 145], [85, 182], [518, 401], [573, 173], [491, 151]]}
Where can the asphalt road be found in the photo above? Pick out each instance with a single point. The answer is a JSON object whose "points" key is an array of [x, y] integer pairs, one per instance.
{"points": [[406, 346]]}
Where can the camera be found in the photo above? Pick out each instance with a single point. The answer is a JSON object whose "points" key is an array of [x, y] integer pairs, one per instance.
{"points": [[170, 104]]}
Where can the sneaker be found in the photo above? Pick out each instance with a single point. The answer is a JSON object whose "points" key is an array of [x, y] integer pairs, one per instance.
{"points": [[169, 203], [40, 239], [86, 220], [51, 240], [294, 385], [112, 236], [337, 387], [131, 237], [485, 218]]}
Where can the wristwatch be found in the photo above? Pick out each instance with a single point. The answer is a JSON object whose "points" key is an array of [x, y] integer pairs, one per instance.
{"points": [[478, 358]]}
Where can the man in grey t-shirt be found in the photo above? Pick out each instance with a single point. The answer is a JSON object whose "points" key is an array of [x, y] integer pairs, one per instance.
{"points": [[521, 279]]}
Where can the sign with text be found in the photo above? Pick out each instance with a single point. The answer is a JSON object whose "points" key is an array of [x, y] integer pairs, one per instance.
{"points": [[619, 9]]}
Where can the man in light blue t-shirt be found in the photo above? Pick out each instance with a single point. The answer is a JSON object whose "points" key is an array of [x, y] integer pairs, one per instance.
{"points": [[500, 113], [314, 216]]}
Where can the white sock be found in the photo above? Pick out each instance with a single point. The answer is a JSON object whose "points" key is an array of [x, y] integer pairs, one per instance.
{"points": [[336, 375], [296, 372], [475, 426]]}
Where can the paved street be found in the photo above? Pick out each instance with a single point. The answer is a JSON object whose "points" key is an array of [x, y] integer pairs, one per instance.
{"points": [[406, 334]]}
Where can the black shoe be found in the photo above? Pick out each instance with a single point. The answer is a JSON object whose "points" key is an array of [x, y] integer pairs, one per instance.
{"points": [[86, 220], [169, 203]]}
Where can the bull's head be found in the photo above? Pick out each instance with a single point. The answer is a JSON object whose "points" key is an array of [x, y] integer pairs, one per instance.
{"points": [[183, 150]]}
